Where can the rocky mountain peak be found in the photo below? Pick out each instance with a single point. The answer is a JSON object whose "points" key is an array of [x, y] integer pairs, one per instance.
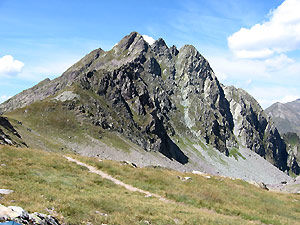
{"points": [[152, 95], [174, 51], [189, 51], [159, 46], [191, 63], [132, 42], [160, 43]]}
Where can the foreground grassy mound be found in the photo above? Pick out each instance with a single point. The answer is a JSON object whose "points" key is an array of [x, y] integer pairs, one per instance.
{"points": [[223, 195], [48, 183]]}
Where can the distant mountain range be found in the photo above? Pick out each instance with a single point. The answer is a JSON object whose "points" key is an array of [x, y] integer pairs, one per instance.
{"points": [[286, 116], [151, 104]]}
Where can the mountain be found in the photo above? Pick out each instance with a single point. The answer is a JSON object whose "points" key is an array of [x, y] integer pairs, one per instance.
{"points": [[287, 119], [152, 105], [286, 116]]}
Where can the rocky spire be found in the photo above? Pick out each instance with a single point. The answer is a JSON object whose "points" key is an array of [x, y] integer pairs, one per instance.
{"points": [[133, 41]]}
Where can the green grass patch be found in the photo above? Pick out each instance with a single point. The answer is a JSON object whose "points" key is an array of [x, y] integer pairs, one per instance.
{"points": [[202, 145], [234, 152]]}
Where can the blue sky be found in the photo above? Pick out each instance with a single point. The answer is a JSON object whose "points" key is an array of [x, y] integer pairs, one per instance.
{"points": [[240, 38]]}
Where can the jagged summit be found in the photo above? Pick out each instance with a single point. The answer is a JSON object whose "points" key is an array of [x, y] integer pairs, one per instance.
{"points": [[160, 46], [133, 41], [158, 98]]}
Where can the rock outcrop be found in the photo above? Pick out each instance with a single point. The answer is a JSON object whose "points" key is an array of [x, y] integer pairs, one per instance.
{"points": [[152, 95], [292, 141], [8, 134], [19, 215]]}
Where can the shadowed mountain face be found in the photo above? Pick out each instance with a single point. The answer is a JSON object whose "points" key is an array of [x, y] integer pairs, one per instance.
{"points": [[293, 147], [253, 128], [154, 96]]}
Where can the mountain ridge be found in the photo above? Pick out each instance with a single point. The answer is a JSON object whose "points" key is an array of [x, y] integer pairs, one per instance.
{"points": [[158, 98], [286, 116]]}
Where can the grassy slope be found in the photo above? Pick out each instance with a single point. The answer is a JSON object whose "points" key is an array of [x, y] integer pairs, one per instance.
{"points": [[223, 195], [44, 180], [48, 125]]}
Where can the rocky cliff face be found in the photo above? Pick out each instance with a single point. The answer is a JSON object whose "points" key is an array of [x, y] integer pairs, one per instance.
{"points": [[254, 130], [8, 134], [153, 95], [292, 141]]}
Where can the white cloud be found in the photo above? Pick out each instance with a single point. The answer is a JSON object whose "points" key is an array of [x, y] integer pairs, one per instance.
{"points": [[278, 62], [274, 69], [260, 56], [267, 96], [236, 69], [271, 80], [244, 54], [3, 98], [148, 39], [249, 81], [281, 33], [46, 68], [289, 98], [10, 66]]}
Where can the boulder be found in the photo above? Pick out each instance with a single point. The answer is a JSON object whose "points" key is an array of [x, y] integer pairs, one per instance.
{"points": [[5, 191], [19, 215]]}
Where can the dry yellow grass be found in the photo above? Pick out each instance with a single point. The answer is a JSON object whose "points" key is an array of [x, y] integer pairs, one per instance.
{"points": [[48, 183], [223, 195]]}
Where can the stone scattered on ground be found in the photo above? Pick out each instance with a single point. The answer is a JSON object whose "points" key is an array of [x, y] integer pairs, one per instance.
{"points": [[130, 163], [19, 215], [201, 174], [184, 178], [263, 186], [100, 213], [292, 186], [259, 185], [5, 191]]}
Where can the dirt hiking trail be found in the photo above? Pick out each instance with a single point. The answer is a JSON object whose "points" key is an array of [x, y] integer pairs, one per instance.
{"points": [[104, 175], [116, 181]]}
